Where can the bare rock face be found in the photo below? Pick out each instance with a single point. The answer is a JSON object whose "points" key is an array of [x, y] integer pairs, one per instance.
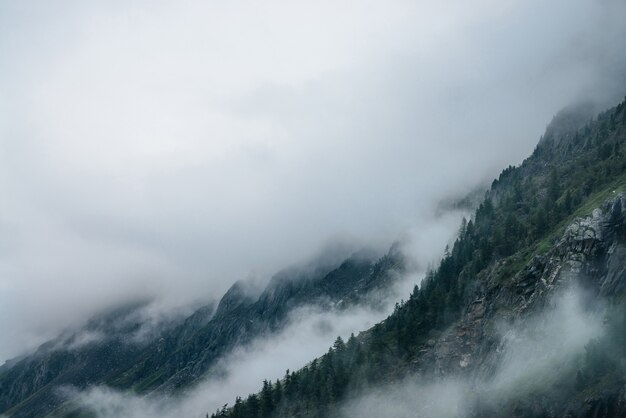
{"points": [[591, 247]]}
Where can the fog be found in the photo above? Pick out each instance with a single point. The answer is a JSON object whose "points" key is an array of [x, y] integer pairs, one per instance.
{"points": [[167, 149], [532, 356], [308, 333]]}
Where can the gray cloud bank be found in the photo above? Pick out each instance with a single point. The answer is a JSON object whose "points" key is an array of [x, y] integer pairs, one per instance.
{"points": [[166, 149]]}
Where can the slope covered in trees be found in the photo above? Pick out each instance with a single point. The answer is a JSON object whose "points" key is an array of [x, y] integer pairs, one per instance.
{"points": [[516, 247]]}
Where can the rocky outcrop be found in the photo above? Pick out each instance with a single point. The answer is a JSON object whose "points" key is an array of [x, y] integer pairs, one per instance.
{"points": [[590, 253]]}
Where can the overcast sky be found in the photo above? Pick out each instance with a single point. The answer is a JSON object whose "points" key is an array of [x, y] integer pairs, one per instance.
{"points": [[170, 148]]}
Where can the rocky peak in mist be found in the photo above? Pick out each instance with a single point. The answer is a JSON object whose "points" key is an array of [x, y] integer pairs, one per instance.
{"points": [[237, 296]]}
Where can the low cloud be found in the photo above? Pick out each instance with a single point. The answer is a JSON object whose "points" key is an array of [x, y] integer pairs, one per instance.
{"points": [[531, 356]]}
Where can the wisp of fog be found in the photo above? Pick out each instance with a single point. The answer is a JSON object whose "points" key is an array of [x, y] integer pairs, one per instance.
{"points": [[534, 354], [308, 333]]}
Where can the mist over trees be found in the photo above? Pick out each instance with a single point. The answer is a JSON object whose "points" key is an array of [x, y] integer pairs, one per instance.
{"points": [[521, 218]]}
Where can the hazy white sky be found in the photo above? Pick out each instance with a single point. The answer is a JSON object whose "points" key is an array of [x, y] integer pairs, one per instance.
{"points": [[170, 148]]}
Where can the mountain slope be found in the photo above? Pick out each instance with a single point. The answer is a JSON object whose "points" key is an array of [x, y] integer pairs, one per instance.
{"points": [[182, 353], [554, 224]]}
